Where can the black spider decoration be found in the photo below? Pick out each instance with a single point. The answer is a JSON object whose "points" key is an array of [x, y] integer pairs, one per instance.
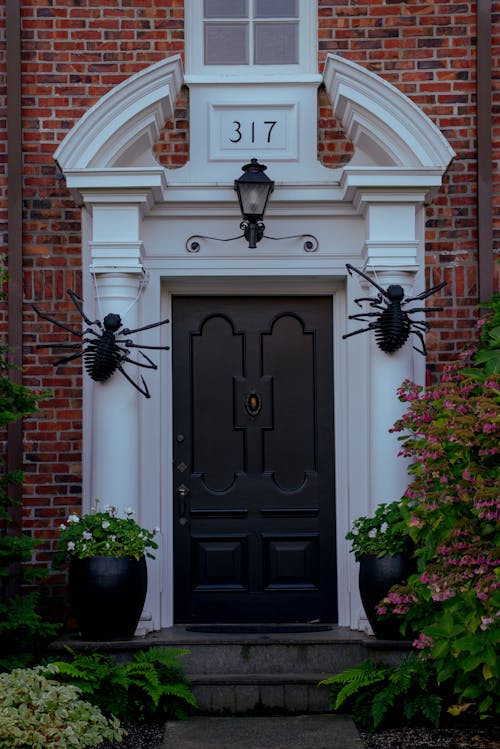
{"points": [[106, 352], [393, 324]]}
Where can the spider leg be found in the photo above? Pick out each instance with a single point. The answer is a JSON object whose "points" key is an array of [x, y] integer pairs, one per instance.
{"points": [[355, 332], [425, 310], [151, 364], [420, 325], [423, 350], [125, 356], [67, 359], [55, 322], [361, 316], [76, 301], [144, 392], [127, 331], [367, 278], [427, 293], [130, 344], [58, 345], [373, 301]]}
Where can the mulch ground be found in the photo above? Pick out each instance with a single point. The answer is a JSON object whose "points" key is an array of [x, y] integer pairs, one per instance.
{"points": [[480, 737], [139, 736]]}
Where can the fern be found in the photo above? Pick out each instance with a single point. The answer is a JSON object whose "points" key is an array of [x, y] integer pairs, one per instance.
{"points": [[23, 631], [377, 694], [353, 680], [428, 705], [151, 686]]}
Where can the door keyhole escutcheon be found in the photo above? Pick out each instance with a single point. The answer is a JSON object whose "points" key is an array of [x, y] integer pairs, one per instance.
{"points": [[253, 403]]}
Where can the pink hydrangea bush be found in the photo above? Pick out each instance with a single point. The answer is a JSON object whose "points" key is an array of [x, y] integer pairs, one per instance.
{"points": [[451, 433]]}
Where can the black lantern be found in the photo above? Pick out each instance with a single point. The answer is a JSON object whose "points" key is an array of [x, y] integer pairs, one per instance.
{"points": [[253, 189]]}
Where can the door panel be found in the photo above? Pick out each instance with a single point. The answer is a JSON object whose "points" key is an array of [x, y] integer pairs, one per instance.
{"points": [[254, 516]]}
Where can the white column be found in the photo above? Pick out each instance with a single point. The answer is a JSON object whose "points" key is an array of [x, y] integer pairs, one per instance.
{"points": [[388, 476], [391, 256], [115, 439]]}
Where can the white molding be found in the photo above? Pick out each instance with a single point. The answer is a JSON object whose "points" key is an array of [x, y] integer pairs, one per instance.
{"points": [[110, 257], [85, 180], [298, 286], [381, 121], [215, 79]]}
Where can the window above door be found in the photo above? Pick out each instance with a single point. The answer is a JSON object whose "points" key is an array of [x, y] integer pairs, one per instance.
{"points": [[251, 39]]}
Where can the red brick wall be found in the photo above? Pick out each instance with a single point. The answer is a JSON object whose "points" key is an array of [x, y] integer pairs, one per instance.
{"points": [[74, 51]]}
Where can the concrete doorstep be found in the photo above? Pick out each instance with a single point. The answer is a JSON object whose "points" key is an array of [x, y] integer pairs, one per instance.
{"points": [[286, 732]]}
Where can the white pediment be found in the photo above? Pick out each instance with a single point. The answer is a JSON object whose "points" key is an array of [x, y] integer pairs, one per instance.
{"points": [[396, 143], [121, 128]]}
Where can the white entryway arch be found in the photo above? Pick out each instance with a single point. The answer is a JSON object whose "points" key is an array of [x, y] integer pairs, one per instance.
{"points": [[138, 216]]}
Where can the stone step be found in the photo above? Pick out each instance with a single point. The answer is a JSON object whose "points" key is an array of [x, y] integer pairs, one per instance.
{"points": [[243, 694], [257, 673]]}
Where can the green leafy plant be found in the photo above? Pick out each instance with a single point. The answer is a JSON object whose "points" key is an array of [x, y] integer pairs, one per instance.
{"points": [[451, 433], [486, 360], [379, 695], [23, 630], [36, 712], [103, 533], [384, 533], [151, 686]]}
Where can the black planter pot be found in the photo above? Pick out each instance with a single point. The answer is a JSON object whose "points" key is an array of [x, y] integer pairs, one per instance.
{"points": [[107, 595], [377, 575]]}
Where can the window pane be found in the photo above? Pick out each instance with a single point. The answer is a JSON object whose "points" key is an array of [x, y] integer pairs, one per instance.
{"points": [[276, 9], [276, 43], [226, 8], [226, 44]]}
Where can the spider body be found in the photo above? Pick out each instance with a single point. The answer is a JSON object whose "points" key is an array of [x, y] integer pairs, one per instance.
{"points": [[102, 356], [393, 326], [104, 350], [393, 323]]}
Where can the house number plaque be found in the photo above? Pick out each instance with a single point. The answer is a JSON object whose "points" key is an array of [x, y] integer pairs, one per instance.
{"points": [[238, 130]]}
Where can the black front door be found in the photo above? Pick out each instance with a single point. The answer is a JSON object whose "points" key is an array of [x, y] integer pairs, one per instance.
{"points": [[254, 503]]}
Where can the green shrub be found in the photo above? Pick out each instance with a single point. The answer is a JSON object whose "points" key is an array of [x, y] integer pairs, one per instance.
{"points": [[379, 695], [486, 360], [23, 631], [39, 712], [451, 433], [150, 687]]}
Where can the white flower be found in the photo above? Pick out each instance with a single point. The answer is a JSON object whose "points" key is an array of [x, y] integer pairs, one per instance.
{"points": [[105, 524], [372, 533], [87, 535], [156, 531], [62, 527], [73, 519], [113, 537], [71, 545], [383, 527], [128, 511], [107, 546]]}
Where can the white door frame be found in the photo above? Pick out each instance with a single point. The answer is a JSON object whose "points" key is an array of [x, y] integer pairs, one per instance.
{"points": [[137, 217]]}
